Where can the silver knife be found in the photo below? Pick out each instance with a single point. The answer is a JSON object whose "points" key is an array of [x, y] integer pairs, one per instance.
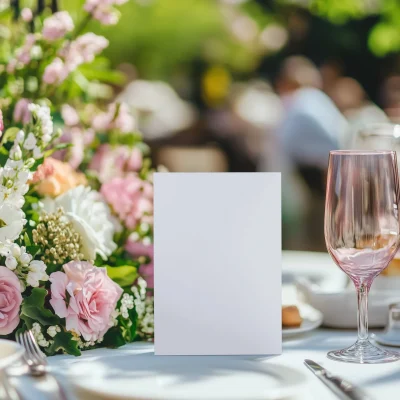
{"points": [[342, 388]]}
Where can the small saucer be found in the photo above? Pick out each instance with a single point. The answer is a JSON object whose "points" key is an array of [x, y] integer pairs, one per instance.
{"points": [[387, 338], [391, 335]]}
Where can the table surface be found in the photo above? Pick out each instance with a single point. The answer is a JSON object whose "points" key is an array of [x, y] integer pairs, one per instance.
{"points": [[380, 381]]}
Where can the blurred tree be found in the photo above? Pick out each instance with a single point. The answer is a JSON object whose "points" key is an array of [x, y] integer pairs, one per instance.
{"points": [[159, 36], [384, 35]]}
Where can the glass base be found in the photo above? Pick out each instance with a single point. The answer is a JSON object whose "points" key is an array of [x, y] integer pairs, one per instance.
{"points": [[363, 352]]}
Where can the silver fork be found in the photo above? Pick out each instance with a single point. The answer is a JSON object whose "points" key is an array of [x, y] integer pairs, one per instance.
{"points": [[36, 360]]}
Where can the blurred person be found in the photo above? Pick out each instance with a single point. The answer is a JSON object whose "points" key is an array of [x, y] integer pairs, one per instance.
{"points": [[352, 100], [312, 126], [330, 71], [348, 95], [390, 94]]}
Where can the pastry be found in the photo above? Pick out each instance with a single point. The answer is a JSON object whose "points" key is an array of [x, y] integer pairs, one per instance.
{"points": [[291, 317], [393, 269]]}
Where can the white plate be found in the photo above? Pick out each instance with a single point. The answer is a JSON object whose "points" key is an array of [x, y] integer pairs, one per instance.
{"points": [[10, 352], [146, 376], [312, 319]]}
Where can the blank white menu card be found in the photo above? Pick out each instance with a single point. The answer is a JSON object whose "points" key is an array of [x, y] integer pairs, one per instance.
{"points": [[217, 263]]}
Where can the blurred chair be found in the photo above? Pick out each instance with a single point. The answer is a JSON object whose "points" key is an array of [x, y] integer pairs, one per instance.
{"points": [[192, 159]]}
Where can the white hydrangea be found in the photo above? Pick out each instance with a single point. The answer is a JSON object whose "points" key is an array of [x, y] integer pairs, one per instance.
{"points": [[30, 142], [42, 113], [12, 221], [38, 142], [14, 178], [37, 272], [28, 271]]}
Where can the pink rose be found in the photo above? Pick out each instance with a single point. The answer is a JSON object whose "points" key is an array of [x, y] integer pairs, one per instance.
{"points": [[10, 301], [87, 46], [106, 15], [55, 72], [70, 115], [131, 199], [26, 14], [21, 111], [86, 297], [137, 249], [57, 26], [110, 162], [107, 121]]}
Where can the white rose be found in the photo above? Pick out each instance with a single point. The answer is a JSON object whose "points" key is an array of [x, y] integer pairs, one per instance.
{"points": [[90, 217]]}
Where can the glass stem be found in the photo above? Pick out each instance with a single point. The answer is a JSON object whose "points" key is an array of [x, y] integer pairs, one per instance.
{"points": [[362, 314]]}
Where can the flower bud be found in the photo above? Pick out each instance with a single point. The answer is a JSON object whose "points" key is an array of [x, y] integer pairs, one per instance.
{"points": [[29, 163], [15, 250], [11, 263], [16, 152], [20, 137]]}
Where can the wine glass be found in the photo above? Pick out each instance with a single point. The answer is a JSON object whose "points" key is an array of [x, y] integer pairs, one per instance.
{"points": [[362, 232]]}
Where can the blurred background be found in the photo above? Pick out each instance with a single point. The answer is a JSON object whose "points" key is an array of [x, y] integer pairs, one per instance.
{"points": [[258, 85]]}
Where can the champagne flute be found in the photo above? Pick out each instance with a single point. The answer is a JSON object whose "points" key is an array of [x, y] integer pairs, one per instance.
{"points": [[362, 232]]}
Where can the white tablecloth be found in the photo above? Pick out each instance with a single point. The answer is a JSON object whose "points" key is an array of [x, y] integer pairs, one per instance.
{"points": [[381, 381]]}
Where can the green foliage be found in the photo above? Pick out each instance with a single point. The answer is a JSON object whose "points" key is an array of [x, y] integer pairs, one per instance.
{"points": [[114, 338], [10, 134], [340, 11], [162, 37], [3, 156], [34, 310], [64, 342], [124, 332], [123, 275]]}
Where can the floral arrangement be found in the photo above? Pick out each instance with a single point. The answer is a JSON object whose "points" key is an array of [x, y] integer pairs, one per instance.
{"points": [[76, 194]]}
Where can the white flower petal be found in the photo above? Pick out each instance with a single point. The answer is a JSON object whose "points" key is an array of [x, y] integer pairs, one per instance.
{"points": [[90, 217]]}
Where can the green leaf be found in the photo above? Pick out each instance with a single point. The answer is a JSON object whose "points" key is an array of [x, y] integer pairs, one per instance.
{"points": [[27, 240], [31, 199], [34, 308], [10, 134], [103, 75], [65, 342], [114, 338], [37, 163], [60, 146], [134, 319], [3, 156], [124, 275], [33, 250]]}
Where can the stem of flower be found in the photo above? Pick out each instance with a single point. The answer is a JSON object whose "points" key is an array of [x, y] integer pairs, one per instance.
{"points": [[82, 25], [40, 6], [16, 6], [54, 6]]}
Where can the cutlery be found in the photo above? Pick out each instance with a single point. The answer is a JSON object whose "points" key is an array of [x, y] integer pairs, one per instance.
{"points": [[342, 388], [36, 360]]}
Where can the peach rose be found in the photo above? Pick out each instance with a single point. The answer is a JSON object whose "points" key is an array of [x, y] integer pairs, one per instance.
{"points": [[55, 177]]}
